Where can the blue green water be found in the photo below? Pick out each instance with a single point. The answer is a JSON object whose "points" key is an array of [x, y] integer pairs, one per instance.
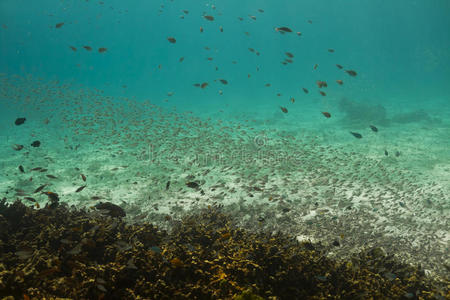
{"points": [[398, 49], [106, 109]]}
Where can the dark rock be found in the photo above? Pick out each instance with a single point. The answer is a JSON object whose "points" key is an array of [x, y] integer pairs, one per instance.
{"points": [[113, 210]]}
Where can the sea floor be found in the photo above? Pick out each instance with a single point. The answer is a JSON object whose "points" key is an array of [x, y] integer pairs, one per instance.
{"points": [[309, 178]]}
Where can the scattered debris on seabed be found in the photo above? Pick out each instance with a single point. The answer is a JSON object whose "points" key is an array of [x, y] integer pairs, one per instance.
{"points": [[92, 255]]}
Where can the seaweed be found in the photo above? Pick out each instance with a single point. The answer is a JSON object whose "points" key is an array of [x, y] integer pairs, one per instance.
{"points": [[78, 254]]}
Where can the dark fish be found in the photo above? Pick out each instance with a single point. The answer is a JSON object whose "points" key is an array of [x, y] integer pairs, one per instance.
{"points": [[43, 170], [80, 189], [331, 50], [196, 84], [59, 25], [356, 135], [284, 109], [17, 147], [73, 48], [36, 169], [261, 10], [315, 66], [305, 90], [21, 169], [172, 40], [192, 185], [83, 177], [267, 84], [36, 144], [203, 85], [185, 11], [209, 18], [289, 54], [30, 199], [223, 81], [283, 29], [386, 153], [322, 93], [321, 84], [102, 50], [20, 121], [339, 66], [397, 153], [181, 59], [167, 185], [51, 176], [326, 114], [40, 188], [374, 129], [88, 48], [351, 73], [340, 82]]}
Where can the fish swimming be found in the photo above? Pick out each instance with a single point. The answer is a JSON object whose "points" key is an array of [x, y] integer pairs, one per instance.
{"points": [[356, 135], [36, 144], [321, 84], [20, 121], [351, 73], [80, 188], [283, 29], [374, 129], [40, 188], [17, 147]]}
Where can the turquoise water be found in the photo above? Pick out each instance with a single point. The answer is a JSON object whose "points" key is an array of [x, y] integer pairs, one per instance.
{"points": [[131, 119]]}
